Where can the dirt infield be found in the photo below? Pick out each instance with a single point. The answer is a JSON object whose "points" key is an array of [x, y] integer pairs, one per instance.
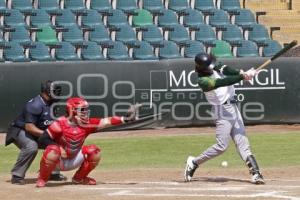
{"points": [[166, 184]]}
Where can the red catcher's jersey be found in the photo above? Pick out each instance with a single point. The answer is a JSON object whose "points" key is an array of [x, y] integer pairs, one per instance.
{"points": [[70, 136]]}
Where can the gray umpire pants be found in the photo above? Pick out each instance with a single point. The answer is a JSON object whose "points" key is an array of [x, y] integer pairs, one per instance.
{"points": [[229, 125], [28, 150]]}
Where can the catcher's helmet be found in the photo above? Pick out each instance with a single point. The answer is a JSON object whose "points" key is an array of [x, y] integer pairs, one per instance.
{"points": [[78, 109], [51, 89], [204, 62]]}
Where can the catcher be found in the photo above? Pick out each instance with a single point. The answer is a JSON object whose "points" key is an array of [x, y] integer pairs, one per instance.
{"points": [[64, 140]]}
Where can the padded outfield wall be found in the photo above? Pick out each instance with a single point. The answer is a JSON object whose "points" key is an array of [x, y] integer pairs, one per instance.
{"points": [[168, 87]]}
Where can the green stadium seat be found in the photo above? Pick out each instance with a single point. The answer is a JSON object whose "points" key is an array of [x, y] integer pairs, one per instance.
{"points": [[192, 48], [204, 5], [116, 18], [101, 5], [167, 18], [245, 18], [118, 51], [15, 18], [40, 52], [179, 34], [40, 18], [153, 5], [20, 35], [247, 49], [259, 34], [92, 18], [47, 35], [15, 53], [169, 50], [232, 34], [92, 51], [152, 35], [205, 34], [67, 18], [74, 5], [271, 48], [219, 18], [230, 5], [66, 52], [48, 5], [222, 49], [127, 6], [178, 5], [99, 34], [126, 34], [142, 18], [22, 5], [143, 51], [73, 35], [192, 18]]}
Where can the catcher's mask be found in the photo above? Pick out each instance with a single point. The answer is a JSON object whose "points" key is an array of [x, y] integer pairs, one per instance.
{"points": [[51, 89], [78, 109]]}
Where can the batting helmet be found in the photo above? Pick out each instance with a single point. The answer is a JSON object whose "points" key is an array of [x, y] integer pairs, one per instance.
{"points": [[204, 63], [78, 109]]}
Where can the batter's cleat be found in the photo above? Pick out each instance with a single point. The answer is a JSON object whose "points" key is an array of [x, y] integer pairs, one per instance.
{"points": [[85, 181], [257, 179], [40, 183], [190, 169], [16, 180], [57, 177]]}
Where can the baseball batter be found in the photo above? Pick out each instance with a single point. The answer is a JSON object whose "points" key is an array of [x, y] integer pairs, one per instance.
{"points": [[216, 81]]}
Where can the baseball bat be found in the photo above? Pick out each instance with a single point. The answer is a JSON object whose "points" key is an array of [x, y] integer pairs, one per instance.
{"points": [[278, 54]]}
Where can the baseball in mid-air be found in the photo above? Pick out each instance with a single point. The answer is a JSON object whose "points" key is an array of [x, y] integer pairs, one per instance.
{"points": [[224, 164]]}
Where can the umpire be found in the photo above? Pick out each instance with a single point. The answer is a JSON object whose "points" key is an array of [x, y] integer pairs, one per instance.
{"points": [[28, 126]]}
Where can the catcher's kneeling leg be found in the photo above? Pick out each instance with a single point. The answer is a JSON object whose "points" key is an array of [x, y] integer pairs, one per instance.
{"points": [[49, 161], [91, 159]]}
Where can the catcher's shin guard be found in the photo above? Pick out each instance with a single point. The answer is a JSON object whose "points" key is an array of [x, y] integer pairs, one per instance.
{"points": [[257, 177], [48, 163], [91, 159]]}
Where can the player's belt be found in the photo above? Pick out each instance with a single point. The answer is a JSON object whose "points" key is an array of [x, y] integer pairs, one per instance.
{"points": [[230, 101]]}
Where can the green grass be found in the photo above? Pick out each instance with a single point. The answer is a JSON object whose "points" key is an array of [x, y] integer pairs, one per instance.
{"points": [[271, 150]]}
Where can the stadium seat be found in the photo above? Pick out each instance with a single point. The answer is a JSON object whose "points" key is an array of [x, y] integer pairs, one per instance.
{"points": [[116, 18], [40, 18], [40, 52], [48, 5], [271, 48], [74, 5], [126, 34], [178, 5], [117, 51], [67, 18], [92, 18], [192, 48], [22, 5], [152, 35], [230, 5], [92, 51], [14, 53], [73, 35], [169, 50], [259, 34], [66, 52], [204, 5], [205, 34], [127, 6], [3, 5], [179, 34], [192, 18], [99, 34], [219, 18], [47, 35], [232, 34], [167, 18], [142, 18], [15, 18], [245, 18], [20, 35], [222, 49], [153, 5], [143, 51], [101, 5], [247, 49]]}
